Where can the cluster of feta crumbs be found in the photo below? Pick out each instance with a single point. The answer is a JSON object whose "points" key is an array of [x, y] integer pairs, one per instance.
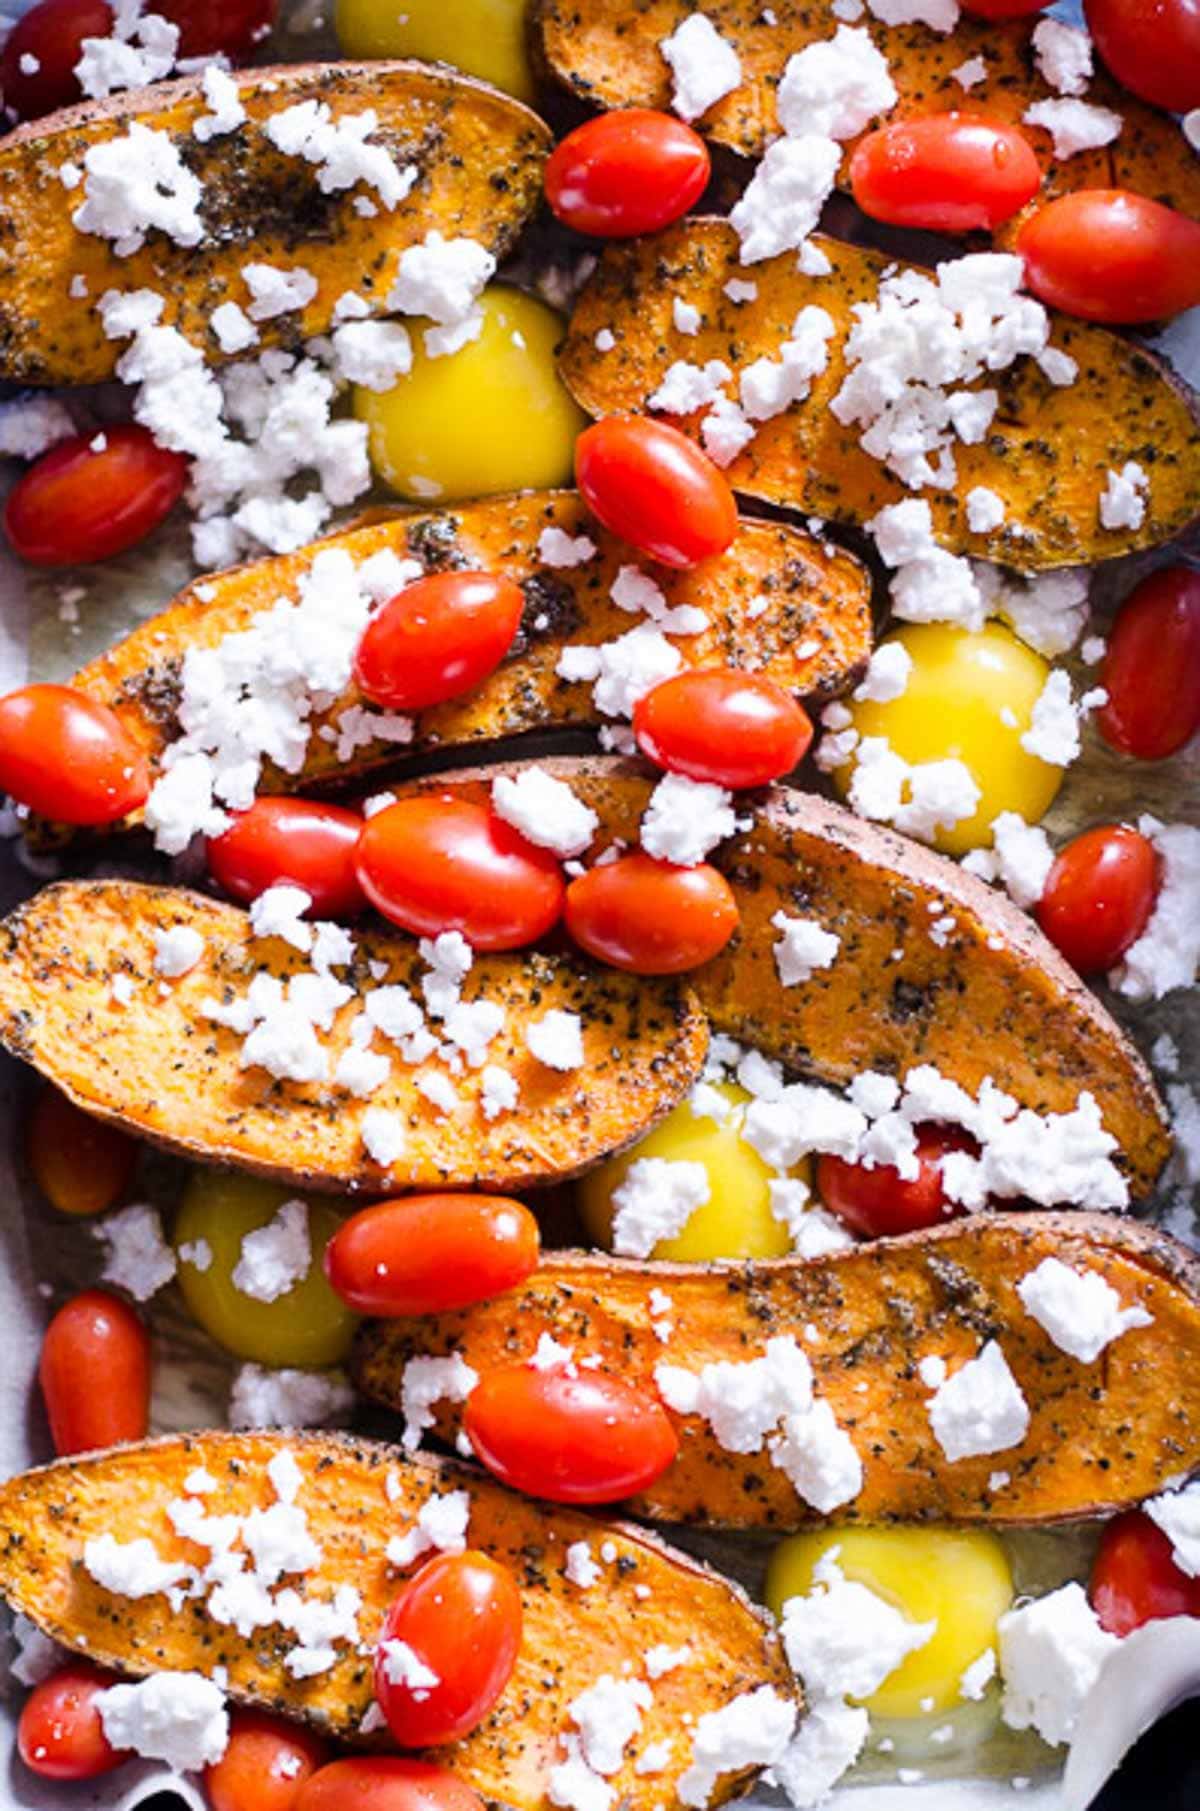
{"points": [[138, 1259], [624, 669], [704, 67], [263, 1398], [977, 1409], [1167, 954], [768, 1403], [277, 1256], [177, 1718], [1177, 1513], [1080, 1310], [545, 810], [441, 1526], [1020, 858], [1122, 502], [1051, 1652]]}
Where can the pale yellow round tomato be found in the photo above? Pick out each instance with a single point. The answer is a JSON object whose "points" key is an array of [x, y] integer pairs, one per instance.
{"points": [[970, 697], [484, 38], [494, 416], [959, 1577], [735, 1222], [308, 1325]]}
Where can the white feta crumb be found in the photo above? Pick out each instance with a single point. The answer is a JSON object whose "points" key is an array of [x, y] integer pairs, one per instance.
{"points": [[176, 951], [384, 1136], [835, 86], [803, 947], [1051, 1652], [685, 819], [829, 1739], [939, 15], [139, 1259], [1064, 56], [428, 1381], [580, 1568], [1053, 733], [704, 66], [655, 1201], [968, 75], [842, 1639], [979, 1408], [1080, 1311], [1123, 499], [131, 1568], [556, 1039], [137, 183], [1074, 125], [404, 1667], [178, 1718], [978, 1676], [442, 278], [289, 1398], [886, 678], [1177, 1513], [561, 550], [277, 1256], [545, 810], [685, 316], [372, 354], [782, 202], [985, 510], [233, 327], [1020, 858], [1167, 954], [274, 291], [751, 1730], [198, 1253]]}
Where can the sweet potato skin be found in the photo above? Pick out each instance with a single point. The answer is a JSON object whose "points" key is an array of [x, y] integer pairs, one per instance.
{"points": [[570, 1636], [479, 152], [164, 1071], [607, 52], [814, 637], [1047, 453], [1101, 1436], [996, 999]]}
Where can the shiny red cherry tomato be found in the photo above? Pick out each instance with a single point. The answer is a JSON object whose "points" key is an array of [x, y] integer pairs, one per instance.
{"points": [[1152, 667], [461, 1617], [60, 1735], [52, 34], [439, 863], [438, 639], [386, 1782], [1109, 255], [1152, 47], [651, 486], [69, 758], [427, 1254], [302, 841], [76, 504], [948, 173], [81, 1165], [879, 1203], [731, 728], [1099, 895], [650, 917], [1135, 1578], [583, 1439], [95, 1374], [205, 27], [264, 1766], [627, 172]]}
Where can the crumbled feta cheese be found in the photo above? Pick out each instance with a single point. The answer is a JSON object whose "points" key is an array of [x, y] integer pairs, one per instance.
{"points": [[1074, 125], [196, 1252], [685, 819], [572, 1783], [835, 86], [741, 289], [428, 1381], [842, 1639], [979, 1408], [277, 1256], [661, 1660], [404, 1667], [939, 15], [830, 1738], [623, 670], [968, 75], [1080, 1311], [655, 1201], [1051, 1652], [139, 1259], [372, 353], [1123, 499], [558, 549], [178, 1718], [978, 1676], [1048, 610], [340, 151], [274, 291], [1167, 954], [138, 183], [770, 385], [608, 1715], [1064, 56], [804, 946], [1191, 128], [176, 951], [384, 1136], [985, 510], [751, 1730], [499, 1091], [634, 591], [580, 1568], [131, 1568], [783, 200], [1177, 1513], [886, 678], [31, 425], [685, 316], [705, 68], [441, 1524], [920, 799], [233, 327], [141, 48], [556, 1039], [1020, 858], [442, 278], [545, 810], [686, 387], [227, 112], [1053, 733], [289, 1398]]}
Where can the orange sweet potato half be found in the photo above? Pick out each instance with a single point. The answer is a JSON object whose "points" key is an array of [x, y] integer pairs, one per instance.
{"points": [[1047, 454], [1100, 1436], [162, 1068], [813, 636], [648, 1596], [996, 999], [607, 52], [478, 155]]}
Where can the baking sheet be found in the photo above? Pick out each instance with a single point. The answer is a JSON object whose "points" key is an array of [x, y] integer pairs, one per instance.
{"points": [[49, 625]]}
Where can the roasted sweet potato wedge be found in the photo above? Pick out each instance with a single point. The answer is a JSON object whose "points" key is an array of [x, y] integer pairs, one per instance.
{"points": [[162, 1068], [814, 635], [479, 155], [1047, 454], [649, 1596], [607, 52], [995, 1000], [1100, 1435]]}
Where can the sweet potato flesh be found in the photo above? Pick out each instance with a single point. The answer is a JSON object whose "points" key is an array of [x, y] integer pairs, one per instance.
{"points": [[479, 155], [1047, 454], [994, 1000], [162, 1069], [813, 636], [649, 1596], [1101, 1436], [607, 52]]}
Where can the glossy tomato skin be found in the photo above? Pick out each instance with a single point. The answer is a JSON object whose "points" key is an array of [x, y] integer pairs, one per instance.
{"points": [[438, 863], [52, 33], [81, 1165], [1152, 667], [650, 917], [385, 1782], [205, 27], [428, 1254], [437, 639], [306, 842], [1152, 47], [718, 724], [652, 487], [69, 758], [1135, 1579], [461, 1616], [1099, 895], [583, 1439], [60, 1735], [879, 1203], [948, 173], [265, 1765], [95, 1336], [77, 505], [631, 171], [1109, 255]]}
